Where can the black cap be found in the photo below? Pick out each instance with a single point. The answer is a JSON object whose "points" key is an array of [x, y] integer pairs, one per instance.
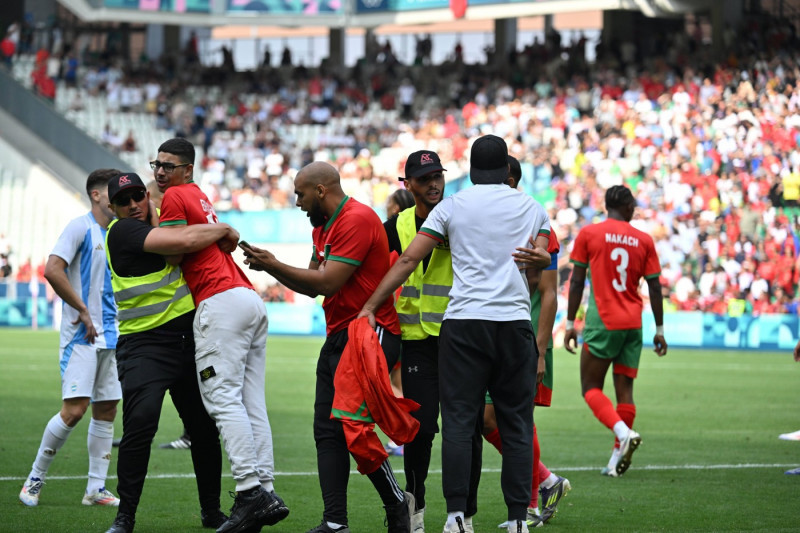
{"points": [[488, 160], [421, 163], [514, 169], [122, 182]]}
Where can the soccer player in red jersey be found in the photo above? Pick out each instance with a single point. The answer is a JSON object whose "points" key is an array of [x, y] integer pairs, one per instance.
{"points": [[351, 256], [618, 256], [543, 314], [230, 334]]}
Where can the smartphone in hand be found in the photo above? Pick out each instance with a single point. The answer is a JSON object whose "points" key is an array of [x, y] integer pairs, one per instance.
{"points": [[243, 245]]}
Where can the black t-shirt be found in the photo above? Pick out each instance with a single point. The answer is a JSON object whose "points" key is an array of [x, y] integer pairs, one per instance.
{"points": [[390, 226], [128, 258]]}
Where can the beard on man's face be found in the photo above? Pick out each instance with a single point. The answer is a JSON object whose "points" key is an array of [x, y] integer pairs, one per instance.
{"points": [[316, 215]]}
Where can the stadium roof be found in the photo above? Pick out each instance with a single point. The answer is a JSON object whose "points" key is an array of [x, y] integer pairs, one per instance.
{"points": [[95, 11]]}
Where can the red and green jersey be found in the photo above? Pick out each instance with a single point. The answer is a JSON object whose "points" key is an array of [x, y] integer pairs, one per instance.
{"points": [[617, 256], [354, 235], [544, 392], [209, 271]]}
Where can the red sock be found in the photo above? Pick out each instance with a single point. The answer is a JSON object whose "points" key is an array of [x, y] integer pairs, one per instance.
{"points": [[627, 412], [535, 474], [544, 473], [602, 407], [494, 438]]}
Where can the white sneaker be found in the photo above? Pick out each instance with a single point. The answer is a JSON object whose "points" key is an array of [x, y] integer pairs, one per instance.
{"points": [[517, 526], [790, 436], [468, 524], [100, 497], [627, 446], [418, 521], [29, 495], [611, 468], [456, 526]]}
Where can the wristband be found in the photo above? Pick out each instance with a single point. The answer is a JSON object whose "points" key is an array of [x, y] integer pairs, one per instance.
{"points": [[660, 330], [570, 324]]}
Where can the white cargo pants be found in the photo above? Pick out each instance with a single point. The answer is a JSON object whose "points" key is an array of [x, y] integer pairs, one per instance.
{"points": [[230, 335]]}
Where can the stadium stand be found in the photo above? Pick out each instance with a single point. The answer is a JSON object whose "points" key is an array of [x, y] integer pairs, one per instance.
{"points": [[708, 144]]}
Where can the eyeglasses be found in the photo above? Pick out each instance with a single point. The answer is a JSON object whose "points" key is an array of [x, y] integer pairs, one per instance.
{"points": [[168, 167], [122, 200]]}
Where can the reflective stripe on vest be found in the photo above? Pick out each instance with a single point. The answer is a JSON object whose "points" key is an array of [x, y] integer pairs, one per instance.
{"points": [[153, 309], [141, 290], [146, 302], [424, 296]]}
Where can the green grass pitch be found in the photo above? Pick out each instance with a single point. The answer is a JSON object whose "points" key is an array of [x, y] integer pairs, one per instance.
{"points": [[710, 458]]}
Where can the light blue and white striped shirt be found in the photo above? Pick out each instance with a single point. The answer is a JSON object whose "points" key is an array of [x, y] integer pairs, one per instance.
{"points": [[82, 246]]}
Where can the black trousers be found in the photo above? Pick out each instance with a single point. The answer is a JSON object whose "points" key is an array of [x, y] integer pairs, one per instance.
{"points": [[420, 372], [148, 365], [476, 356], [333, 457]]}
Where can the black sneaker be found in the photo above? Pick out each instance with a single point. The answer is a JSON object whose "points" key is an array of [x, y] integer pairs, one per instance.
{"points": [[212, 519], [123, 523], [325, 528], [252, 509], [277, 510], [398, 516]]}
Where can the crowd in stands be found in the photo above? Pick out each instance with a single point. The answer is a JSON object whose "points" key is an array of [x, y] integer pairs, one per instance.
{"points": [[710, 145]]}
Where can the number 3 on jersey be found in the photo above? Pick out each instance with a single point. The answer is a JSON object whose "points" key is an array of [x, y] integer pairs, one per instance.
{"points": [[621, 254]]}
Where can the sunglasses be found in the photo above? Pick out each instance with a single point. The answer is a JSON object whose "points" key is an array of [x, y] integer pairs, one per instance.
{"points": [[124, 199]]}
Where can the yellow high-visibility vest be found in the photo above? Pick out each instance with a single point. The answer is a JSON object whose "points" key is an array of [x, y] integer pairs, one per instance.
{"points": [[736, 307], [424, 296], [146, 302]]}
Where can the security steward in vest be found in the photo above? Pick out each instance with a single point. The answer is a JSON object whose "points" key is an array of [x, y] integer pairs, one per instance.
{"points": [[156, 344], [420, 307]]}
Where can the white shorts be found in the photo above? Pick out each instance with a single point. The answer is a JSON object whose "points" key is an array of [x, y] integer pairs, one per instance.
{"points": [[89, 372]]}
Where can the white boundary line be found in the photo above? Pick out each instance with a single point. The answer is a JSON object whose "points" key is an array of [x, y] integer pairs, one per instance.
{"points": [[485, 470]]}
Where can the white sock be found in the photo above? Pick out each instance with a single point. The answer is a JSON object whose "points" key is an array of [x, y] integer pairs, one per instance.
{"points": [[621, 430], [55, 435], [550, 481], [98, 442], [451, 517], [334, 525], [268, 486]]}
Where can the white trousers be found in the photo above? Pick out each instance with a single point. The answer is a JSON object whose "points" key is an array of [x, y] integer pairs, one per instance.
{"points": [[230, 335]]}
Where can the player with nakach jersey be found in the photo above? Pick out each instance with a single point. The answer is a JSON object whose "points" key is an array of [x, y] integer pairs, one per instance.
{"points": [[617, 256]]}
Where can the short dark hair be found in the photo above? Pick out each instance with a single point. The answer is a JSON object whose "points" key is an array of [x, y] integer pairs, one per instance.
{"points": [[619, 196], [403, 198], [180, 147], [99, 179], [514, 170]]}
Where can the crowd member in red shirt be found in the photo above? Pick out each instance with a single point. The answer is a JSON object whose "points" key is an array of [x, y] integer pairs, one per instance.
{"points": [[230, 333], [351, 256]]}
